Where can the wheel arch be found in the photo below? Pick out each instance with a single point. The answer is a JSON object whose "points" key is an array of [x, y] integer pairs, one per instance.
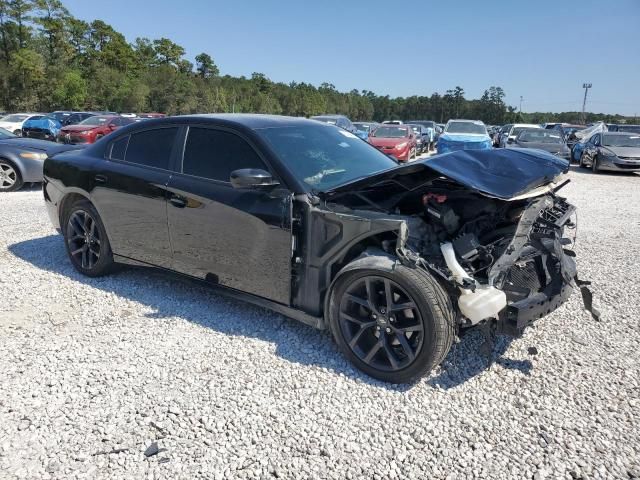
{"points": [[68, 200], [14, 159]]}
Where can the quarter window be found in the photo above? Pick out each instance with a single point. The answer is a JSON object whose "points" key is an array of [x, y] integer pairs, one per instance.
{"points": [[152, 147], [214, 154], [118, 148]]}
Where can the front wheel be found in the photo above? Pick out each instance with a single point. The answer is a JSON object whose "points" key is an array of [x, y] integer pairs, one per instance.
{"points": [[18, 132], [393, 325], [594, 165], [10, 178], [86, 241]]}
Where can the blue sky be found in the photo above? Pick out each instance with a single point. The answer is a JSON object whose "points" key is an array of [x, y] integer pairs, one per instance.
{"points": [[543, 50]]}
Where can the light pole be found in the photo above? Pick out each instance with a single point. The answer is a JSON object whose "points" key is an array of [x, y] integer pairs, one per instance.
{"points": [[586, 87], [520, 109]]}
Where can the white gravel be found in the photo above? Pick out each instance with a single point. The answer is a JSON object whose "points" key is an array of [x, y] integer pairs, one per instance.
{"points": [[94, 372]]}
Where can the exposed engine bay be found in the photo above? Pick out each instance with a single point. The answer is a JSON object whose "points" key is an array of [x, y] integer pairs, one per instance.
{"points": [[508, 260]]}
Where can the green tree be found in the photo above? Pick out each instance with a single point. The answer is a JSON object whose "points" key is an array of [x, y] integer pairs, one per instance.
{"points": [[206, 66]]}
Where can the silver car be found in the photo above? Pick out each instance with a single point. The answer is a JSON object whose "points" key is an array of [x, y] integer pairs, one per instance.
{"points": [[615, 151], [21, 159]]}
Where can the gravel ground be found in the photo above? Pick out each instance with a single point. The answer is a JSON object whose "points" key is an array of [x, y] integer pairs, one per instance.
{"points": [[93, 373]]}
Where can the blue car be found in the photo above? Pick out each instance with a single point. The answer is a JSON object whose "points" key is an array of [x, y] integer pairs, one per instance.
{"points": [[464, 135], [48, 127]]}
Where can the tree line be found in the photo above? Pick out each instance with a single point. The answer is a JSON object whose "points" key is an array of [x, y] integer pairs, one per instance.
{"points": [[50, 60]]}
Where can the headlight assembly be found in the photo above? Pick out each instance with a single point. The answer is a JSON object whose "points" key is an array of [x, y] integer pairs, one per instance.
{"points": [[33, 155]]}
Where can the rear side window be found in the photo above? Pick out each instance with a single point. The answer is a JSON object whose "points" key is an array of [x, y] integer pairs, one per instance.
{"points": [[118, 148], [152, 147], [214, 154]]}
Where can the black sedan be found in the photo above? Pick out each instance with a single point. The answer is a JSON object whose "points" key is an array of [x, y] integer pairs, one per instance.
{"points": [[306, 219], [548, 140]]}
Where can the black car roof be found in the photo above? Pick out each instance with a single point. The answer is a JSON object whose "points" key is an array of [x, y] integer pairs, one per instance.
{"points": [[247, 120]]}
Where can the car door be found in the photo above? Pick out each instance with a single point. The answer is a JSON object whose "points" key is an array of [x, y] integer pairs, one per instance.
{"points": [[237, 238], [130, 193]]}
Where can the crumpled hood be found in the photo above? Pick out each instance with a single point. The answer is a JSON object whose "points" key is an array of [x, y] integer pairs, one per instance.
{"points": [[625, 151], [464, 137], [45, 123], [499, 173]]}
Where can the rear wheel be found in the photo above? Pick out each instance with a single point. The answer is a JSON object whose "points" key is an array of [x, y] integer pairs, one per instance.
{"points": [[10, 178], [86, 241], [18, 132], [393, 325]]}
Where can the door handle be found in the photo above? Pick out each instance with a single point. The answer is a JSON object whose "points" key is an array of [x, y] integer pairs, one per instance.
{"points": [[100, 178], [178, 201]]}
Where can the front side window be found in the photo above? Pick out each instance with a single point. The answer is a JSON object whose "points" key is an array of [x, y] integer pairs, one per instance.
{"points": [[214, 154], [152, 147]]}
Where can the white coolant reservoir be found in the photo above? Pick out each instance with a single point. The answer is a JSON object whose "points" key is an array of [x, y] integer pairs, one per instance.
{"points": [[485, 302]]}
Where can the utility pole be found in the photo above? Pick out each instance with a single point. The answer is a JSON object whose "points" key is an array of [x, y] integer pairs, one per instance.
{"points": [[520, 109], [586, 87]]}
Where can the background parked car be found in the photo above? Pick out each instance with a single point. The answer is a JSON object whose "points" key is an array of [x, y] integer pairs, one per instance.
{"points": [[423, 138], [464, 135], [510, 134], [152, 115], [541, 139], [21, 159], [624, 128], [396, 140], [48, 127], [92, 129], [342, 122], [567, 131], [14, 122], [501, 130], [367, 127], [432, 130], [615, 151]]}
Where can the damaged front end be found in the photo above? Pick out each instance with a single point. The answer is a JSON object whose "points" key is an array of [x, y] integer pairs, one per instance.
{"points": [[505, 255]]}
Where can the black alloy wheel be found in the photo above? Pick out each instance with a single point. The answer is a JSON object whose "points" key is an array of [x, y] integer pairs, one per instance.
{"points": [[86, 241], [83, 239], [381, 323]]}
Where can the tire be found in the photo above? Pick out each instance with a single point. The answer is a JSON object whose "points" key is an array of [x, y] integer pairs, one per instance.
{"points": [[594, 164], [581, 161], [86, 240], [398, 348], [10, 176], [18, 132]]}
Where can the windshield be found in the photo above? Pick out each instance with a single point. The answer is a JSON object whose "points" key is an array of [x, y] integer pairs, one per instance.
{"points": [[97, 120], [517, 130], [325, 157], [14, 118], [540, 136], [58, 115], [621, 140], [365, 127], [6, 134], [465, 127], [391, 132]]}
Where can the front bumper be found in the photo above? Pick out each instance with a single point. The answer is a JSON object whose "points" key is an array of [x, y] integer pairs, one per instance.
{"points": [[73, 139], [39, 133], [616, 164]]}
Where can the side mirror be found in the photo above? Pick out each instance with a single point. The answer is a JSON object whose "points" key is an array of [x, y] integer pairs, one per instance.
{"points": [[252, 178]]}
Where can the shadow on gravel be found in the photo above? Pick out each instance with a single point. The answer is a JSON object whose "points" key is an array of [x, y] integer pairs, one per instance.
{"points": [[465, 361], [170, 295]]}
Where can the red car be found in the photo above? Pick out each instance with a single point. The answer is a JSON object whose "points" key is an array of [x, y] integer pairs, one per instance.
{"points": [[92, 129], [396, 140]]}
